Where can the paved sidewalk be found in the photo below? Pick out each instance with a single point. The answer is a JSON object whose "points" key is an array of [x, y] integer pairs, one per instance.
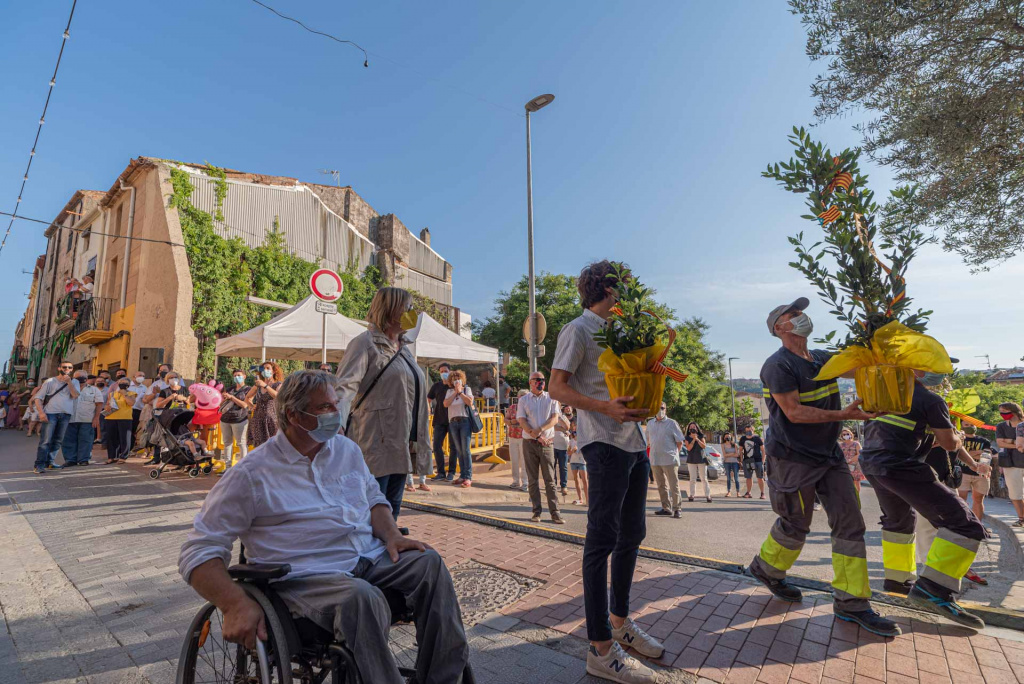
{"points": [[113, 535]]}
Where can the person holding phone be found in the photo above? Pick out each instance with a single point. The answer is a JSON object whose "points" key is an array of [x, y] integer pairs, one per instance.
{"points": [[696, 461], [263, 422], [54, 402], [456, 400]]}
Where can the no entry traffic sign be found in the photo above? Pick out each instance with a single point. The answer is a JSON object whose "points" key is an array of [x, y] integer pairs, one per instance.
{"points": [[325, 285]]}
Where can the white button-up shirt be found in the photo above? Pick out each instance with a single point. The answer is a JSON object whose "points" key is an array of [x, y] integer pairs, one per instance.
{"points": [[85, 404], [314, 515], [538, 409]]}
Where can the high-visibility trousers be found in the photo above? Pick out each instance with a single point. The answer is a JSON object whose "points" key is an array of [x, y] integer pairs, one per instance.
{"points": [[958, 531], [792, 487]]}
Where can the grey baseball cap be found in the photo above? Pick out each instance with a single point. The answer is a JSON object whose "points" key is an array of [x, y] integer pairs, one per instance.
{"points": [[797, 305]]}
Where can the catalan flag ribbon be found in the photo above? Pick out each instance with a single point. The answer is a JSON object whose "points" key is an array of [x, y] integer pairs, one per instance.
{"points": [[829, 215]]}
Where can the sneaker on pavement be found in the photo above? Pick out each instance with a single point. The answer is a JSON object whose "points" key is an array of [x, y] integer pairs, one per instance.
{"points": [[38, 471], [947, 608], [976, 578], [894, 587], [677, 514], [535, 518], [662, 511], [616, 666], [558, 520], [637, 639], [515, 486], [779, 587], [1019, 523], [53, 466], [870, 620]]}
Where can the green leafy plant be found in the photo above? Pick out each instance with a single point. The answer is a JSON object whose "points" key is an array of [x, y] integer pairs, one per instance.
{"points": [[867, 286], [631, 326]]}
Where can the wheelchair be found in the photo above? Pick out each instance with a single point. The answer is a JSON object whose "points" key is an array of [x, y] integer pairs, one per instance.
{"points": [[297, 650]]}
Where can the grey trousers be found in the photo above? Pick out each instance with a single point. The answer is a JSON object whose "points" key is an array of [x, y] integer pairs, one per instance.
{"points": [[355, 609], [538, 457]]}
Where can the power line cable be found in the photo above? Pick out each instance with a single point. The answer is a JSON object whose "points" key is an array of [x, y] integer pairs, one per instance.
{"points": [[366, 61], [39, 128], [91, 232]]}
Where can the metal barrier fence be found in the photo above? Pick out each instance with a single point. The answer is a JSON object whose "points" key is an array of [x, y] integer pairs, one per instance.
{"points": [[486, 442]]}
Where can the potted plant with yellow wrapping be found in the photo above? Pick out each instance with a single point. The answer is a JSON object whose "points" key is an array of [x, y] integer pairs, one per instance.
{"points": [[635, 343], [885, 340]]}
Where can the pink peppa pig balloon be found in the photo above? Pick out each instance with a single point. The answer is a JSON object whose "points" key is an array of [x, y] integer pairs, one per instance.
{"points": [[206, 400]]}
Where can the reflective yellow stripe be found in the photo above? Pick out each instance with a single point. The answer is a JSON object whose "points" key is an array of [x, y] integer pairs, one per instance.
{"points": [[851, 575], [778, 556], [765, 392], [898, 557], [898, 422], [820, 393], [949, 559]]}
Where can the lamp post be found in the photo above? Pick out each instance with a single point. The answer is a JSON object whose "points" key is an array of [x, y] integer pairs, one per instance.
{"points": [[533, 105], [732, 390]]}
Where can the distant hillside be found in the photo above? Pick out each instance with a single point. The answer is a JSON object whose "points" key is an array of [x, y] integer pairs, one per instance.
{"points": [[753, 385]]}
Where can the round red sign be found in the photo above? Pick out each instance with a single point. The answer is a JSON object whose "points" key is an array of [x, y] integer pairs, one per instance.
{"points": [[326, 285]]}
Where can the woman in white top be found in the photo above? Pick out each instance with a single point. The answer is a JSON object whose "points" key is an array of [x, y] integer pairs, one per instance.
{"points": [[459, 432], [579, 469], [489, 394]]}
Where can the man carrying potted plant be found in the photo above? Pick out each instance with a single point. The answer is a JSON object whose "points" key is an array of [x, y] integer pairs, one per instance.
{"points": [[804, 459], [609, 437], [893, 460]]}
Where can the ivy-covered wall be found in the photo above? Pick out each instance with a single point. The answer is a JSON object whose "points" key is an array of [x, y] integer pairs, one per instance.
{"points": [[225, 271]]}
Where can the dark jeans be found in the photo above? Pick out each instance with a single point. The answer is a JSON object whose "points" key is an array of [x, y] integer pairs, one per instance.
{"points": [[51, 435], [459, 434], [732, 470], [393, 489], [77, 443], [562, 461], [118, 439], [440, 432], [135, 426], [616, 525]]}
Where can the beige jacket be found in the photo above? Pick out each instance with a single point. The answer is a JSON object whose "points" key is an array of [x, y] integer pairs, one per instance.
{"points": [[382, 424]]}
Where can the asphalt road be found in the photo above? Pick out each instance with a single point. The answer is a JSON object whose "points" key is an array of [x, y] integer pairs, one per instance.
{"points": [[733, 529]]}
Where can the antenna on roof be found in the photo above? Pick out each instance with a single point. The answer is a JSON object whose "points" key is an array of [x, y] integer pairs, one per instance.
{"points": [[987, 359], [333, 173]]}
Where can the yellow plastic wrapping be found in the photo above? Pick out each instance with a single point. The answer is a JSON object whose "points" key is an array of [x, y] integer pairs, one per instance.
{"points": [[884, 373], [627, 376]]}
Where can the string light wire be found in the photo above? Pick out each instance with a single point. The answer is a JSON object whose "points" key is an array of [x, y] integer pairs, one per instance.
{"points": [[39, 128]]}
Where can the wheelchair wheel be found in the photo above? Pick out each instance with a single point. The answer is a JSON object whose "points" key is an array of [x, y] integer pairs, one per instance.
{"points": [[193, 472], [206, 658], [207, 469], [155, 473]]}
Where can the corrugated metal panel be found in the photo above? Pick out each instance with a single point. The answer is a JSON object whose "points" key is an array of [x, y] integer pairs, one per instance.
{"points": [[250, 210], [424, 259], [438, 290]]}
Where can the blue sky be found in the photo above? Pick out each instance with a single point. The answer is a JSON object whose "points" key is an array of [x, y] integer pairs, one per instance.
{"points": [[666, 113]]}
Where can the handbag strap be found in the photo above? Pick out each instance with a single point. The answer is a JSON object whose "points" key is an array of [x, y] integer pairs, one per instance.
{"points": [[360, 400], [48, 397]]}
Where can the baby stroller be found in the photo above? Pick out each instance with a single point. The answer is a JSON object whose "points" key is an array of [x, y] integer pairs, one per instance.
{"points": [[178, 446]]}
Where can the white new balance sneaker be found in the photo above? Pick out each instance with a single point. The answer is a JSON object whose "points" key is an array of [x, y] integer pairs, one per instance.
{"points": [[616, 666], [637, 639]]}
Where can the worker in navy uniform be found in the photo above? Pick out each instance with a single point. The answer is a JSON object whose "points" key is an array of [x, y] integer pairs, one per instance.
{"points": [[804, 461], [894, 461]]}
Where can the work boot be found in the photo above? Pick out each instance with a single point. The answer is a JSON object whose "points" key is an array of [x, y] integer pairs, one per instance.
{"points": [[894, 587], [870, 620], [779, 587], [944, 606], [616, 666], [637, 639]]}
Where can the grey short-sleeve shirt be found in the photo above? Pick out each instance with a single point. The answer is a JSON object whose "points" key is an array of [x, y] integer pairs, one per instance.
{"points": [[577, 353]]}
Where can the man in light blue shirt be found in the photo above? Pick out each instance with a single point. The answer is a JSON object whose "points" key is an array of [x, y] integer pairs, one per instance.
{"points": [[54, 402], [85, 420], [666, 438]]}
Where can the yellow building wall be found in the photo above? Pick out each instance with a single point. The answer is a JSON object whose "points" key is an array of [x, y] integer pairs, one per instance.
{"points": [[115, 350]]}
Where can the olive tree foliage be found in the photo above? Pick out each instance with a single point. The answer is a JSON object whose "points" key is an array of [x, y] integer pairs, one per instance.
{"points": [[943, 83]]}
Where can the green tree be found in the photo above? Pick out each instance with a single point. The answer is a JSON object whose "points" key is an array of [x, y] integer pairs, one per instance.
{"points": [[944, 83], [748, 414], [704, 397]]}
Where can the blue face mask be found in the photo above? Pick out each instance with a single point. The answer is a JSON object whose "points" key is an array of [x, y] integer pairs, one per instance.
{"points": [[444, 376], [268, 372], [327, 426], [239, 379]]}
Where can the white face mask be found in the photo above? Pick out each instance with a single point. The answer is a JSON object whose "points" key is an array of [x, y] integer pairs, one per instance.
{"points": [[139, 379], [802, 325]]}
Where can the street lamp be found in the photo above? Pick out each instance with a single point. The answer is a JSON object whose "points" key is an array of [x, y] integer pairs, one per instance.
{"points": [[732, 389], [533, 105]]}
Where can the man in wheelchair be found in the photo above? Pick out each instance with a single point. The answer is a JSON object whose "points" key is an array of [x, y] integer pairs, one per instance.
{"points": [[306, 498]]}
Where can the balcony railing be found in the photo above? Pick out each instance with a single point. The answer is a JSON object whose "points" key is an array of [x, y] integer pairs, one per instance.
{"points": [[92, 321]]}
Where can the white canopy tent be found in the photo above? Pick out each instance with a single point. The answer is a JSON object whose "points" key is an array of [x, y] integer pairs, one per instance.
{"points": [[296, 335], [435, 344]]}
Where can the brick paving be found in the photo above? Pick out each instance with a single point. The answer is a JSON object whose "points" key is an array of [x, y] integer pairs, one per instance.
{"points": [[115, 535]]}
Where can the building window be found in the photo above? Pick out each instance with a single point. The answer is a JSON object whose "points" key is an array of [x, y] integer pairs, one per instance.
{"points": [[86, 234], [71, 239], [117, 221], [91, 266]]}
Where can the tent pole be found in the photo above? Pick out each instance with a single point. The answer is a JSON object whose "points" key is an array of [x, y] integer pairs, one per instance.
{"points": [[263, 354], [216, 364]]}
